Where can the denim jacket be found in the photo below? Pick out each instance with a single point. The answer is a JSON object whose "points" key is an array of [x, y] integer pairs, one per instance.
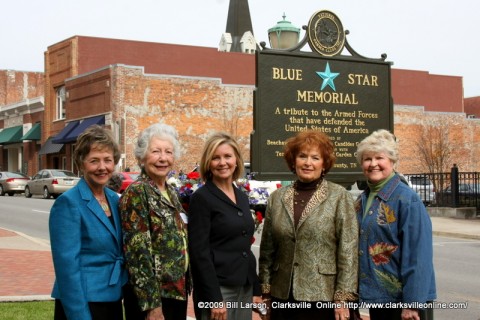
{"points": [[395, 246]]}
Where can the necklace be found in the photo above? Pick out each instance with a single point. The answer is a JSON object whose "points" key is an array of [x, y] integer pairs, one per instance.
{"points": [[103, 203]]}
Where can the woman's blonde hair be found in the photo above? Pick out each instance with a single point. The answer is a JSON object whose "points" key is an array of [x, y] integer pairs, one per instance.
{"points": [[380, 141], [209, 149]]}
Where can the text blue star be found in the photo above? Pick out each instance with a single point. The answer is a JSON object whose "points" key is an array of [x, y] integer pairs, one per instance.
{"points": [[328, 77]]}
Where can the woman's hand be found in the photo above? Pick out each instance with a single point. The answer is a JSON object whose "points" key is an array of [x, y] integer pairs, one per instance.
{"points": [[410, 314], [218, 313], [259, 304], [341, 313], [155, 314], [267, 300]]}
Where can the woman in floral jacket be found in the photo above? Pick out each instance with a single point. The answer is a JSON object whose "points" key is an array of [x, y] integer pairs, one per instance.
{"points": [[395, 241], [155, 231]]}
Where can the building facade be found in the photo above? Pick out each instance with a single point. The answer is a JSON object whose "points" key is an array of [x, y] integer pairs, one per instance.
{"points": [[21, 117], [128, 85]]}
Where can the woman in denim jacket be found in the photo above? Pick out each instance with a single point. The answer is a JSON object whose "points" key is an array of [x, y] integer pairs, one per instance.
{"points": [[395, 239]]}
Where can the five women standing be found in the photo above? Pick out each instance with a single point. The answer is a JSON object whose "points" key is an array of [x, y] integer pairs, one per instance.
{"points": [[309, 244]]}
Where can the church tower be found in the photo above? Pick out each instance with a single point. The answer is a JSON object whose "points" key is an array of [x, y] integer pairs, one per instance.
{"points": [[238, 36]]}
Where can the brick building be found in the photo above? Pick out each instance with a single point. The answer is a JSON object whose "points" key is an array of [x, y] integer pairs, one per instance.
{"points": [[128, 85], [21, 115]]}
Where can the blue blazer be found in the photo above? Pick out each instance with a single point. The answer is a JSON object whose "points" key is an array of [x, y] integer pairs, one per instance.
{"points": [[87, 250]]}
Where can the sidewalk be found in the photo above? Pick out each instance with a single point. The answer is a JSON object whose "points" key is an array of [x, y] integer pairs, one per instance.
{"points": [[26, 270]]}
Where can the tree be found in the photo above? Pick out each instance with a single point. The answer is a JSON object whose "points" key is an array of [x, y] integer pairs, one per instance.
{"points": [[433, 147], [434, 150]]}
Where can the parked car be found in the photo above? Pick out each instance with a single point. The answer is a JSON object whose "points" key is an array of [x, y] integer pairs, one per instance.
{"points": [[423, 186], [127, 178], [468, 194], [12, 182], [51, 183]]}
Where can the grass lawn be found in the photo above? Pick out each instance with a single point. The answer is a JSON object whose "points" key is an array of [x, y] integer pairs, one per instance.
{"points": [[31, 310]]}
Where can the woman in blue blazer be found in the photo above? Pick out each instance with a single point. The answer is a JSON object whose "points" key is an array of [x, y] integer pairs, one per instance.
{"points": [[86, 236]]}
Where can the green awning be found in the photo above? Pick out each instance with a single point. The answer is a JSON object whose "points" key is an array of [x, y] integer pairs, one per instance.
{"points": [[11, 135], [34, 133]]}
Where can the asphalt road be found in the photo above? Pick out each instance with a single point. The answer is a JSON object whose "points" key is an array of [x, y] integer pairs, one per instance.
{"points": [[26, 215], [457, 261]]}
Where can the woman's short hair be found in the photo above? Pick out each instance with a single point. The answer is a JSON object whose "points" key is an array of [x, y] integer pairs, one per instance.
{"points": [[160, 131], [309, 139], [97, 136], [211, 145], [380, 141]]}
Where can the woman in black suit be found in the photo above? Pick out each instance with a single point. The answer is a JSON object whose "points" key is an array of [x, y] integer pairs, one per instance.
{"points": [[220, 230]]}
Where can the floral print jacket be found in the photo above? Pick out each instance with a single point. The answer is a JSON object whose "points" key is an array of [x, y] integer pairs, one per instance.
{"points": [[395, 246], [155, 243]]}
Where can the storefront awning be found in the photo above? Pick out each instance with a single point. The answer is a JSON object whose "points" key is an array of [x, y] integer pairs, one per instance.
{"points": [[50, 147], [78, 130], [11, 135], [60, 138], [34, 133]]}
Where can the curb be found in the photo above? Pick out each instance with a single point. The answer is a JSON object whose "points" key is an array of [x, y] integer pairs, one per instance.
{"points": [[456, 235], [38, 241], [25, 298]]}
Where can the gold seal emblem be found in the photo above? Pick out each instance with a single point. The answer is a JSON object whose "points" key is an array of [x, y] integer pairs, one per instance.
{"points": [[325, 33]]}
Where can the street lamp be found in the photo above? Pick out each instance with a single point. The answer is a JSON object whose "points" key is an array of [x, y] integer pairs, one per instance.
{"points": [[283, 35]]}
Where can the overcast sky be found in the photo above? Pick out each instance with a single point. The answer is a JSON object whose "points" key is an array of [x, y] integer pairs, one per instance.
{"points": [[438, 36]]}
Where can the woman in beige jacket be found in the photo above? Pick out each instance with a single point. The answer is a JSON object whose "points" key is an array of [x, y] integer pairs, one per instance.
{"points": [[308, 254]]}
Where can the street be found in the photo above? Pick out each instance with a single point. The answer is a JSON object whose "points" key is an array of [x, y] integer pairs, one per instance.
{"points": [[28, 216], [456, 261]]}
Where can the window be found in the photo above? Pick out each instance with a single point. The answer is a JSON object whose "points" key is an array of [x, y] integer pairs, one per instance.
{"points": [[61, 98]]}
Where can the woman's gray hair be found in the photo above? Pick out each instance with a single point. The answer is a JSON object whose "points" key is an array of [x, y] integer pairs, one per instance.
{"points": [[380, 141], [158, 130]]}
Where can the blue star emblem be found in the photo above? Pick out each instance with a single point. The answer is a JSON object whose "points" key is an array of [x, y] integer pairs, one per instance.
{"points": [[328, 77]]}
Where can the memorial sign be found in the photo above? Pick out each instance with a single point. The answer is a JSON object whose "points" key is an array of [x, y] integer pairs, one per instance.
{"points": [[346, 97]]}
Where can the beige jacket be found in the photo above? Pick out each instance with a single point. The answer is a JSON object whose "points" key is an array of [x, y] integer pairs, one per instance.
{"points": [[320, 256]]}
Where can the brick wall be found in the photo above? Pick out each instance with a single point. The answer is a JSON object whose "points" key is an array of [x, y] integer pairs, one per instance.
{"points": [[198, 106], [463, 137], [16, 86]]}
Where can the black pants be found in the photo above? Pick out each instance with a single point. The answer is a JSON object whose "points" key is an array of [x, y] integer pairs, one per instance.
{"points": [[98, 310], [172, 309]]}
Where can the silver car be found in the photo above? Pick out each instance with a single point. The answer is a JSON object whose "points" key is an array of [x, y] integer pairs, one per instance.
{"points": [[51, 183], [424, 187], [12, 182]]}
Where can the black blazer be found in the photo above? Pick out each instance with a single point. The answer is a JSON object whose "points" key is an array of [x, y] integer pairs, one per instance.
{"points": [[220, 237]]}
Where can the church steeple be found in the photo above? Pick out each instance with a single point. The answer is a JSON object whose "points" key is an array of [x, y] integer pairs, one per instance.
{"points": [[239, 31]]}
